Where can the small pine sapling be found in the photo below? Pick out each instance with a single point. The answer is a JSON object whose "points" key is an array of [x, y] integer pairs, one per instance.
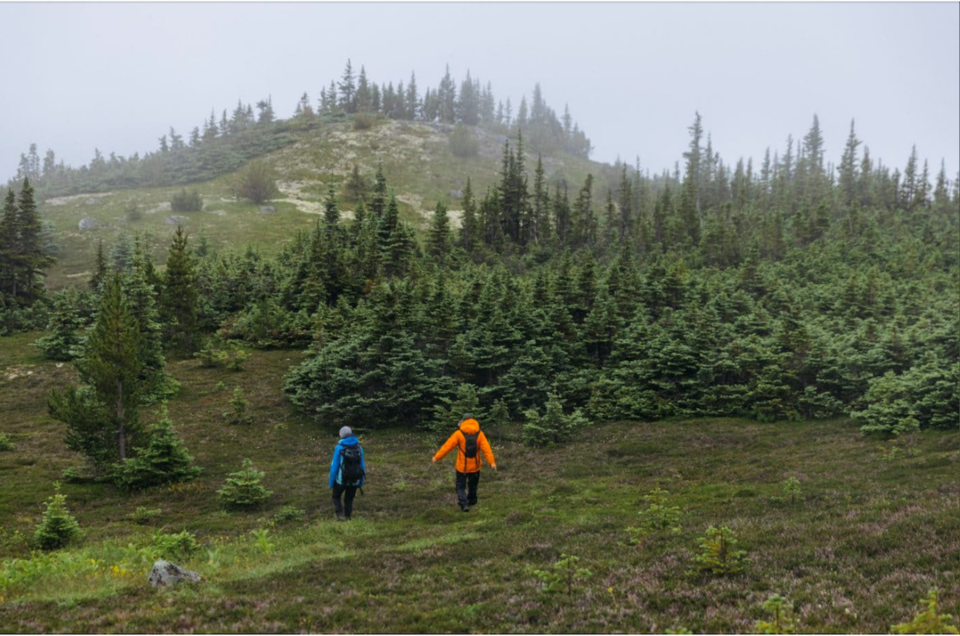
{"points": [[237, 358], [57, 527], [239, 408], [562, 576], [554, 427], [243, 489], [718, 552], [210, 356], [791, 488], [928, 621], [781, 616], [656, 518], [165, 460], [5, 443]]}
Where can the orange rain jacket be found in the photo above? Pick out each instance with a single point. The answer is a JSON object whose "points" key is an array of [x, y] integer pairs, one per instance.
{"points": [[465, 465]]}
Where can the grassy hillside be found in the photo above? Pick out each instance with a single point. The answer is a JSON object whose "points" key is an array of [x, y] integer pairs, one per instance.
{"points": [[871, 531], [417, 162]]}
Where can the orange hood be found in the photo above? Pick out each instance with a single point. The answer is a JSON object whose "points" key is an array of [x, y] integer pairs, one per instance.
{"points": [[470, 426]]}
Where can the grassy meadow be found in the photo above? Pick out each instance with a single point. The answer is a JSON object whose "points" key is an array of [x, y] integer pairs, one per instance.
{"points": [[874, 526]]}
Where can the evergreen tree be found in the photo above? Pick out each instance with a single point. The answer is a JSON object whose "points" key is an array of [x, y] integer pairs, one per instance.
{"points": [[438, 240], [164, 460], [347, 90], [690, 213], [102, 417], [470, 230], [141, 296], [57, 527], [66, 320], [178, 305], [100, 269], [22, 256]]}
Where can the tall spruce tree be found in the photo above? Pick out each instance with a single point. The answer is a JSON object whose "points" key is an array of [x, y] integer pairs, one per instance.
{"points": [[178, 305], [102, 416], [141, 297], [438, 239]]}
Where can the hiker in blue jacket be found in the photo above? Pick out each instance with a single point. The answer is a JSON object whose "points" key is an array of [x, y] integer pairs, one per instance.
{"points": [[347, 472]]}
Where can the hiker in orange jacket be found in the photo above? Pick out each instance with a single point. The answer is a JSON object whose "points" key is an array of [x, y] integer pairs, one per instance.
{"points": [[470, 443]]}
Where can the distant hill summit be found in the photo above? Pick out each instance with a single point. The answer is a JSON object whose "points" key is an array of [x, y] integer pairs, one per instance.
{"points": [[467, 110]]}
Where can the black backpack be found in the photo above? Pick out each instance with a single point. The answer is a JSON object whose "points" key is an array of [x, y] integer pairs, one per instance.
{"points": [[470, 443], [351, 466]]}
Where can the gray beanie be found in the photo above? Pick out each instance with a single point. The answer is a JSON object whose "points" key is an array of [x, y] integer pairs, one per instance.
{"points": [[345, 432]]}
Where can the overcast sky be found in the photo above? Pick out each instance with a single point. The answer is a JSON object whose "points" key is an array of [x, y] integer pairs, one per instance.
{"points": [[117, 76]]}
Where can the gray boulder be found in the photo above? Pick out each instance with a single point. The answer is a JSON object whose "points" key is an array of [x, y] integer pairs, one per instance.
{"points": [[87, 223], [456, 194], [90, 202], [176, 219], [267, 209], [165, 573]]}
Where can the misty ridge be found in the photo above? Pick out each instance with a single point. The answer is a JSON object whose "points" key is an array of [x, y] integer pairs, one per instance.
{"points": [[225, 141]]}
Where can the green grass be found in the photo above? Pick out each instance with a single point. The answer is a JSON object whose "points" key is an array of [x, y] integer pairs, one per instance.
{"points": [[416, 161], [865, 540]]}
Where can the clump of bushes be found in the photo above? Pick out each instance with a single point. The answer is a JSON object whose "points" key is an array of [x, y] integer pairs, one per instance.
{"points": [[719, 553], [133, 213], [363, 121], [143, 515], [211, 356], [562, 576], [924, 396], [267, 325], [186, 201], [174, 546], [57, 527], [463, 143], [553, 427], [165, 460], [258, 183], [5, 443], [289, 514], [244, 488], [83, 474]]}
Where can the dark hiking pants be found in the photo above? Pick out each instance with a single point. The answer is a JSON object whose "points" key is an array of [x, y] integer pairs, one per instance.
{"points": [[346, 508], [467, 488]]}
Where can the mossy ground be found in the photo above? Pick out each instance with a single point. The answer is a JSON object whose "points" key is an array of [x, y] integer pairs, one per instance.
{"points": [[868, 536]]}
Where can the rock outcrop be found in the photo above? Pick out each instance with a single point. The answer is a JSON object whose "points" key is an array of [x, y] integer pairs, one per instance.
{"points": [[165, 574]]}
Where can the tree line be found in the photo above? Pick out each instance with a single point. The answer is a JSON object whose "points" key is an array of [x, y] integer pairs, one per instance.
{"points": [[784, 295]]}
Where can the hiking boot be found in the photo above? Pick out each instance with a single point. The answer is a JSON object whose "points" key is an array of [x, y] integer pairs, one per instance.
{"points": [[464, 508], [341, 516]]}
